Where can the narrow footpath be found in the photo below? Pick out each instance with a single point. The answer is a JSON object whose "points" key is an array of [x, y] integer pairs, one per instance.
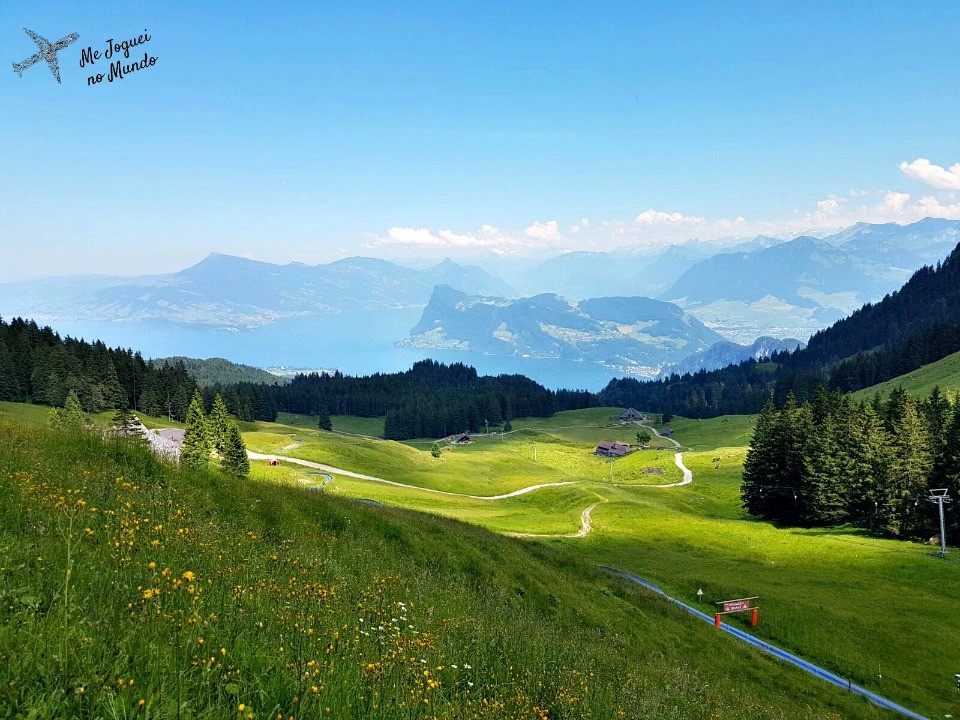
{"points": [[349, 473]]}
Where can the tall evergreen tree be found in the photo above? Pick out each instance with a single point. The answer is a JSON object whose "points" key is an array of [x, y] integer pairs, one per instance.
{"points": [[323, 419], [218, 424], [124, 424], [71, 415], [793, 433], [9, 380], [195, 451], [948, 474], [827, 467], [901, 514], [761, 469], [235, 461], [869, 449]]}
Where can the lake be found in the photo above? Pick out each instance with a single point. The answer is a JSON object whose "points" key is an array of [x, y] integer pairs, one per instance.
{"points": [[356, 343]]}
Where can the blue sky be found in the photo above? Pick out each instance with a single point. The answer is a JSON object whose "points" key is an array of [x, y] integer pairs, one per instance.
{"points": [[308, 131]]}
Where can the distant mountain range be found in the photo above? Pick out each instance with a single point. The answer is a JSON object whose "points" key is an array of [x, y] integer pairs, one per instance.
{"points": [[647, 271], [633, 335], [762, 285], [223, 290], [726, 353]]}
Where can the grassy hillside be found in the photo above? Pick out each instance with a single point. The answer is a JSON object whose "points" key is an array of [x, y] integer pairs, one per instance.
{"points": [[133, 590], [213, 371], [835, 596], [490, 465], [945, 373]]}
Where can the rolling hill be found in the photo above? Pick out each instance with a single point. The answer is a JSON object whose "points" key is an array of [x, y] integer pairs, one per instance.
{"points": [[190, 594], [220, 371], [944, 373]]}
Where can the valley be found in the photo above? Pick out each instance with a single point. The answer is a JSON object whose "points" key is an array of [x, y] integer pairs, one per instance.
{"points": [[836, 597]]}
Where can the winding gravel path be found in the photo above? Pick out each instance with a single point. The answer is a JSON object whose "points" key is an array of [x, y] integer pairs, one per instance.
{"points": [[349, 473], [585, 527], [677, 459], [585, 524]]}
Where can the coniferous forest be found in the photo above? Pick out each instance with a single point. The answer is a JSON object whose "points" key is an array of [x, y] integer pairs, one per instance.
{"points": [[834, 461], [429, 400]]}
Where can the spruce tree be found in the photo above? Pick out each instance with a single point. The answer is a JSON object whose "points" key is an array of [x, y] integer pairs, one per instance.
{"points": [[9, 384], [71, 415], [790, 442], [195, 452], [948, 475], [761, 469], [937, 411], [124, 424], [827, 466], [871, 456], [907, 488], [218, 424], [234, 458], [323, 419]]}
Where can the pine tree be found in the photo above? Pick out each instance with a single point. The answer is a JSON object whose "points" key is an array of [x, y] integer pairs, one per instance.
{"points": [[71, 416], [436, 450], [871, 459], [323, 419], [900, 509], [790, 442], [235, 461], [218, 424], [823, 501], [124, 424], [195, 452], [9, 383], [937, 411], [761, 469], [948, 474]]}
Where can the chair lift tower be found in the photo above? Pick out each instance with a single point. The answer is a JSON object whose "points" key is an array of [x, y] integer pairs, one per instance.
{"points": [[939, 496]]}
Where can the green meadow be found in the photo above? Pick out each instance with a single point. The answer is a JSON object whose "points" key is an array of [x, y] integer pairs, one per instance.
{"points": [[836, 597], [944, 373], [130, 589], [879, 612]]}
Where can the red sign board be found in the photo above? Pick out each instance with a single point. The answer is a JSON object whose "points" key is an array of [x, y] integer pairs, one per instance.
{"points": [[736, 605]]}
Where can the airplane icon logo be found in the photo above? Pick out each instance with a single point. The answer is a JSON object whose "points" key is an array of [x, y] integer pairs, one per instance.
{"points": [[48, 52]]}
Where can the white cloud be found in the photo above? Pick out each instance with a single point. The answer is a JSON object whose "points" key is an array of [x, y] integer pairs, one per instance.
{"points": [[411, 236], [656, 228], [488, 237], [657, 217], [831, 206], [549, 230], [935, 176], [896, 201]]}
